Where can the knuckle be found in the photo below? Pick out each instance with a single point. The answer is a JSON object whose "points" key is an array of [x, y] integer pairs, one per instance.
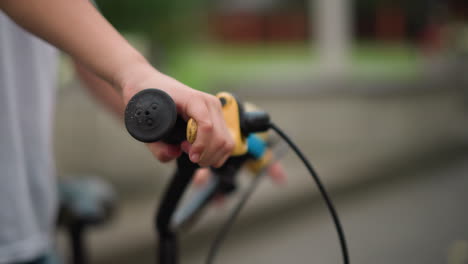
{"points": [[217, 103], [221, 162], [220, 144], [214, 100], [230, 145], [225, 146], [199, 148], [206, 126], [203, 164]]}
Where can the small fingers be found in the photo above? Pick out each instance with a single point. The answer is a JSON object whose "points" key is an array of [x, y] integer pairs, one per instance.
{"points": [[213, 144], [277, 172], [186, 146], [225, 144], [224, 151], [200, 113], [201, 177], [164, 152]]}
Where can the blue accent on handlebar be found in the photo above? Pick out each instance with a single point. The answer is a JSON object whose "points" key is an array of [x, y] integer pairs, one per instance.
{"points": [[256, 146]]}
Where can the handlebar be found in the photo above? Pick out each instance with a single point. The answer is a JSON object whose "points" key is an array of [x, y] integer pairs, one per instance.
{"points": [[151, 115]]}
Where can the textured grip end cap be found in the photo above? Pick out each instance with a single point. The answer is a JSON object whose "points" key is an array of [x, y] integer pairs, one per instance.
{"points": [[150, 115]]}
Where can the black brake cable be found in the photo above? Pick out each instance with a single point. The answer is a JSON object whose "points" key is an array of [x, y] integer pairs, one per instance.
{"points": [[323, 192], [221, 235], [232, 217], [279, 152]]}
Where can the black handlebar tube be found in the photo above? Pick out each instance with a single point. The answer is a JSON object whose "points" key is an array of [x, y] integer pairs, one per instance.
{"points": [[225, 185], [168, 249], [227, 174], [168, 244]]}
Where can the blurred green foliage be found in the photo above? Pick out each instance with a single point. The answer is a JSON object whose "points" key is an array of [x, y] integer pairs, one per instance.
{"points": [[210, 67], [165, 23], [146, 16]]}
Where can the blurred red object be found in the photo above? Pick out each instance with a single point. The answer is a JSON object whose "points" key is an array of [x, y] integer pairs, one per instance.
{"points": [[432, 38], [256, 28], [238, 27], [287, 27]]}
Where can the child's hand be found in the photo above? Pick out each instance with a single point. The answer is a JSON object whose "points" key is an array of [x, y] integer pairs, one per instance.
{"points": [[213, 144]]}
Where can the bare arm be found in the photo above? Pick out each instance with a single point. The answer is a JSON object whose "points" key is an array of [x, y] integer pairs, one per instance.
{"points": [[78, 29], [101, 90]]}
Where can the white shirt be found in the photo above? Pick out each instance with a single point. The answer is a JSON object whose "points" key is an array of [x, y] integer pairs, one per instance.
{"points": [[27, 177]]}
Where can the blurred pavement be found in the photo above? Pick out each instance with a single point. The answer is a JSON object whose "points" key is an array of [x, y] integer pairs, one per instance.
{"points": [[414, 217]]}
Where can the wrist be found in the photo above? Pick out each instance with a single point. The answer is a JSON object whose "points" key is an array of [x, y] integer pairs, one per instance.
{"points": [[144, 76], [131, 79]]}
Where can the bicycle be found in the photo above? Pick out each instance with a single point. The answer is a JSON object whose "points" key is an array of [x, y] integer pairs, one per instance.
{"points": [[151, 116]]}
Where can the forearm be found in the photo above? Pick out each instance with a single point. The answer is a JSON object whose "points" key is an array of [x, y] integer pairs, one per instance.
{"points": [[101, 90], [76, 27]]}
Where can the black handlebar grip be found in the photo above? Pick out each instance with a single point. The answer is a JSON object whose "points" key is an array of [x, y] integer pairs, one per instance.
{"points": [[151, 116]]}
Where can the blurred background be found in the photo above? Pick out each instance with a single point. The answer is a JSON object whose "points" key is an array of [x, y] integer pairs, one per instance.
{"points": [[374, 91]]}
